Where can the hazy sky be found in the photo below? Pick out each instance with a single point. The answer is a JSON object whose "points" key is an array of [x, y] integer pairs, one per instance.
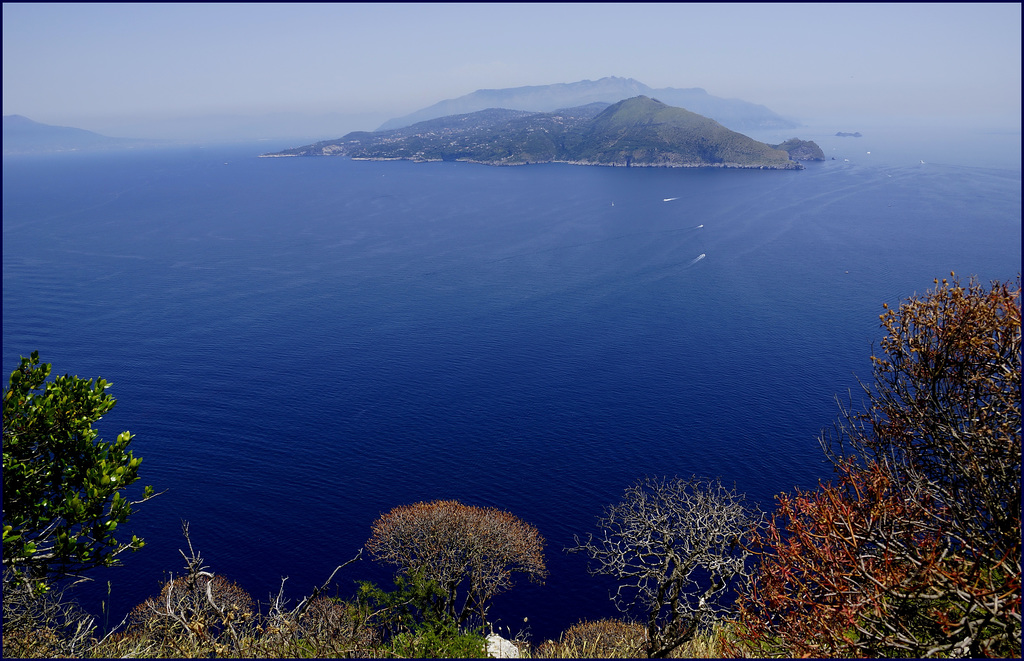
{"points": [[75, 64]]}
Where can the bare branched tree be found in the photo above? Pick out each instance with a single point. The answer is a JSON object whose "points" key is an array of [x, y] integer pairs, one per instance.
{"points": [[677, 548]]}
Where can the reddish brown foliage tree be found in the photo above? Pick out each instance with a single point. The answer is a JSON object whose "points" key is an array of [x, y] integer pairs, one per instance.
{"points": [[853, 569], [945, 410], [470, 552], [917, 550]]}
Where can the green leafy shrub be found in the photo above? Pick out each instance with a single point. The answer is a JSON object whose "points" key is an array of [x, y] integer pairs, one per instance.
{"points": [[443, 640], [412, 621], [62, 487]]}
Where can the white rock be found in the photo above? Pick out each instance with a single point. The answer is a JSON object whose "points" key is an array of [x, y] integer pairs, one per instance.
{"points": [[499, 648]]}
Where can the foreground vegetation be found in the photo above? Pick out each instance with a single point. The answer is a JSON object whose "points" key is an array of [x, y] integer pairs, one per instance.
{"points": [[913, 550]]}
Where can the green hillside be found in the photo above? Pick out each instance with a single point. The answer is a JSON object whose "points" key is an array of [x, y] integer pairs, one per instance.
{"points": [[643, 131]]}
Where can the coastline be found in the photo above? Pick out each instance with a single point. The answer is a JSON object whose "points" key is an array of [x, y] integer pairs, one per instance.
{"points": [[792, 165]]}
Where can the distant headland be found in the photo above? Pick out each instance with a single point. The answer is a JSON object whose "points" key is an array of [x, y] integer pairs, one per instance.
{"points": [[21, 135]]}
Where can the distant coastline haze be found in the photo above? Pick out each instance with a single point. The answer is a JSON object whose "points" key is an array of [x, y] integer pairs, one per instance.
{"points": [[187, 71]]}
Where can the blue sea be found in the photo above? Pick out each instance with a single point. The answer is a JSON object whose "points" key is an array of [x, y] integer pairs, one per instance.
{"points": [[301, 344]]}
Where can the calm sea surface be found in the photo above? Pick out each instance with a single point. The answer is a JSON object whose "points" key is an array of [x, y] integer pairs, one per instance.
{"points": [[302, 344]]}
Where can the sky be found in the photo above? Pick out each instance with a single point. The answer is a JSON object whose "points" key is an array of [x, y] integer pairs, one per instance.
{"points": [[109, 66]]}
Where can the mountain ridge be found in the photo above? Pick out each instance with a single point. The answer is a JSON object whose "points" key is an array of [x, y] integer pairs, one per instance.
{"points": [[735, 114]]}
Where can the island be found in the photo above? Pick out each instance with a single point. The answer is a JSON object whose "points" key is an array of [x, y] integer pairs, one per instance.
{"points": [[801, 150], [841, 134], [635, 132]]}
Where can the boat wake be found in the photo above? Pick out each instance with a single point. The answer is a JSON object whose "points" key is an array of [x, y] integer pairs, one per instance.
{"points": [[669, 199], [697, 259]]}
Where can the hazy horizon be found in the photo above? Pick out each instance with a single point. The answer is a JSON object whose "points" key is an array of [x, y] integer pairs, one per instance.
{"points": [[120, 69]]}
